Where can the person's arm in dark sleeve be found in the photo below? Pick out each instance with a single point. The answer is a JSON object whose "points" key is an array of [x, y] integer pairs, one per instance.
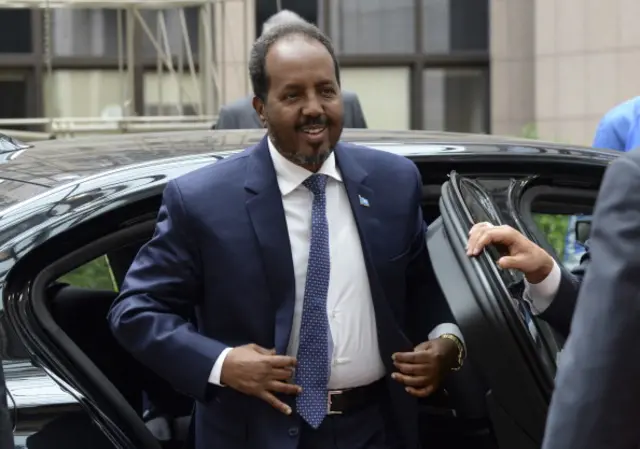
{"points": [[597, 396], [358, 114], [554, 299], [151, 316]]}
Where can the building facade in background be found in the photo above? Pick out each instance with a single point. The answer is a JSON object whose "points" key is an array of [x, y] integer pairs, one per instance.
{"points": [[539, 67], [421, 64], [558, 66]]}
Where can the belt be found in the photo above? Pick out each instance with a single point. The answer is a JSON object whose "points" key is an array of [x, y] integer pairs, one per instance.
{"points": [[353, 399]]}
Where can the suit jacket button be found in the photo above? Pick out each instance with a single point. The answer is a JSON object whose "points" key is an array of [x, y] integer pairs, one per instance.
{"points": [[293, 432]]}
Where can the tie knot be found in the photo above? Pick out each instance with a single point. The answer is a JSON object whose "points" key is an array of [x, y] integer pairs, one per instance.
{"points": [[316, 183]]}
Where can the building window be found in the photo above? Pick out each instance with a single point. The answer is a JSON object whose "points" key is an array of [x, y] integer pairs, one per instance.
{"points": [[167, 95], [455, 25], [85, 93], [456, 100], [384, 109], [174, 29], [14, 94], [372, 26], [307, 9], [16, 31], [87, 32]]}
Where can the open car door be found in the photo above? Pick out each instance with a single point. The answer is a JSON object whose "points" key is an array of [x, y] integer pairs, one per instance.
{"points": [[510, 351]]}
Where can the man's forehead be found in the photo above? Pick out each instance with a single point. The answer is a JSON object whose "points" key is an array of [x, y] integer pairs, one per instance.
{"points": [[296, 46]]}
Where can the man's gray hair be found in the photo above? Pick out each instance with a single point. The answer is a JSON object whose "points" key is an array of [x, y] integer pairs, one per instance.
{"points": [[281, 18]]}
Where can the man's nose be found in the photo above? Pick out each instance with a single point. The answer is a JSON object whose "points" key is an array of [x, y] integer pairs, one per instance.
{"points": [[313, 106]]}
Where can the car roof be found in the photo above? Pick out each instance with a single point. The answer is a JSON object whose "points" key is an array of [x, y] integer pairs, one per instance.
{"points": [[52, 162], [48, 164]]}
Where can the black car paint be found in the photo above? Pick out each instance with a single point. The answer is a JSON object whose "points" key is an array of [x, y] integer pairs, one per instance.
{"points": [[56, 185]]}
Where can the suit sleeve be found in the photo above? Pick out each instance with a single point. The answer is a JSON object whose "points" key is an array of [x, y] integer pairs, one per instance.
{"points": [[152, 317], [428, 312], [597, 397], [560, 310], [358, 115], [226, 119]]}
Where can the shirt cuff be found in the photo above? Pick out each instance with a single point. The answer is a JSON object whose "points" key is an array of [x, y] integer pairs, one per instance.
{"points": [[447, 328], [216, 372], [541, 295]]}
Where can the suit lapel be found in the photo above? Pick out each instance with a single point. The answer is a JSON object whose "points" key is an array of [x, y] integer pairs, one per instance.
{"points": [[362, 198], [264, 205]]}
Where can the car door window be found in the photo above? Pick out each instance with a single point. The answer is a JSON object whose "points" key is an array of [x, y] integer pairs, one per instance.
{"points": [[482, 207], [560, 231], [96, 274]]}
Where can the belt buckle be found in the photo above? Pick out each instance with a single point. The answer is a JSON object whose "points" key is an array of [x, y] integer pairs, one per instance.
{"points": [[330, 396]]}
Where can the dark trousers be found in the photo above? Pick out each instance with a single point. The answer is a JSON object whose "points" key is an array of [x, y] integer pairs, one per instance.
{"points": [[364, 429]]}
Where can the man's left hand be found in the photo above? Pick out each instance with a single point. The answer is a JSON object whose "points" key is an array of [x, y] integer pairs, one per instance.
{"points": [[422, 370]]}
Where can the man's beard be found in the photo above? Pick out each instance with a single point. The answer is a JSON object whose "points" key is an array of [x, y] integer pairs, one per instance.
{"points": [[304, 160], [308, 160]]}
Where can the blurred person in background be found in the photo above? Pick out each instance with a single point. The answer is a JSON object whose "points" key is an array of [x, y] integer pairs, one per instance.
{"points": [[618, 129], [241, 114]]}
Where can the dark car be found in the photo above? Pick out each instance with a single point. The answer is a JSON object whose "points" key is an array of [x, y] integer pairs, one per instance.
{"points": [[74, 213]]}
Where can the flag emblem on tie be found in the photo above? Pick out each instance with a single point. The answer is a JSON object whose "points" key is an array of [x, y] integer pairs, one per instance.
{"points": [[363, 201]]}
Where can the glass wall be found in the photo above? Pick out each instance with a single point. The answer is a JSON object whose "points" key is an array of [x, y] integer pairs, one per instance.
{"points": [[442, 47], [372, 26], [456, 100], [430, 56], [84, 93], [385, 107], [16, 26]]}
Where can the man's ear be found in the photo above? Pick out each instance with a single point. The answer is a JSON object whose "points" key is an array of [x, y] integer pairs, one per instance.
{"points": [[258, 105]]}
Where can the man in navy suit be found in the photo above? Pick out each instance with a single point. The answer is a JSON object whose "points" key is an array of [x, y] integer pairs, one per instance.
{"points": [[319, 318]]}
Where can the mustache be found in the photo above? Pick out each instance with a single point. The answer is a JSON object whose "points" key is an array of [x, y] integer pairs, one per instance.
{"points": [[321, 120]]}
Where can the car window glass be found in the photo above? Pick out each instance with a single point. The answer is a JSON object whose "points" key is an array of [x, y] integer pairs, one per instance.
{"points": [[482, 209], [96, 275], [560, 232]]}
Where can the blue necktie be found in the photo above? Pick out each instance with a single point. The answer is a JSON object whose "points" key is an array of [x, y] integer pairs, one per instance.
{"points": [[312, 372]]}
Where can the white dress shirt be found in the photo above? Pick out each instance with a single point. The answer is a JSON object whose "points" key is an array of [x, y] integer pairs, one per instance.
{"points": [[541, 295], [355, 359]]}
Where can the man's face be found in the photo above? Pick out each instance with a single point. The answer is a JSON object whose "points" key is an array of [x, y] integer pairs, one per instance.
{"points": [[303, 108]]}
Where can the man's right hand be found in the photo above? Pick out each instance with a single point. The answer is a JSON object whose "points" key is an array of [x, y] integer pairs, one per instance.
{"points": [[259, 372], [523, 255]]}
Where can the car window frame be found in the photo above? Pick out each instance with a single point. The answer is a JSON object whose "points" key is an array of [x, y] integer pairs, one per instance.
{"points": [[509, 282]]}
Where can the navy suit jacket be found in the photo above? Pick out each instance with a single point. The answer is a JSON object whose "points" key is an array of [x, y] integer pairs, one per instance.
{"points": [[560, 311], [221, 249]]}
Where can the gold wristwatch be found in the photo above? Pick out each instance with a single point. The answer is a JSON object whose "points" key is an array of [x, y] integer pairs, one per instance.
{"points": [[461, 351]]}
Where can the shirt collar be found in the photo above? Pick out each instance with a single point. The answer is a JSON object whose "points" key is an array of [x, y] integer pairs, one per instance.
{"points": [[290, 175]]}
